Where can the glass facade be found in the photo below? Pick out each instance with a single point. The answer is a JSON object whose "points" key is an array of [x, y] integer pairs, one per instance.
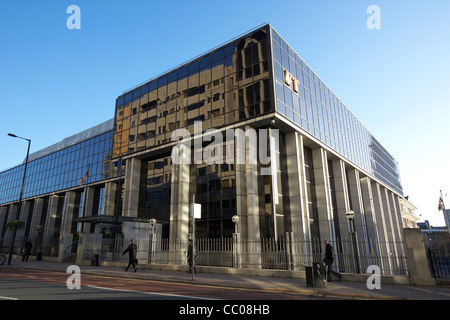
{"points": [[227, 85], [157, 191], [305, 100], [251, 76], [59, 170], [283, 112], [255, 75]]}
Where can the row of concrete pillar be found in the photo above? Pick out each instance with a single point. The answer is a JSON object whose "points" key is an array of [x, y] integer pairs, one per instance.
{"points": [[376, 208], [377, 211]]}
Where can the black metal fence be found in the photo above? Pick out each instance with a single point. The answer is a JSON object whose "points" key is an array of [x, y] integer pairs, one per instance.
{"points": [[439, 264], [266, 253], [44, 245]]}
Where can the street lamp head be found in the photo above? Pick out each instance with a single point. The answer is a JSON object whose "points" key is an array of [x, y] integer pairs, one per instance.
{"points": [[350, 214], [16, 136], [152, 221], [235, 219]]}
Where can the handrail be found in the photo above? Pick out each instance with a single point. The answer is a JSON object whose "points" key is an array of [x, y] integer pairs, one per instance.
{"points": [[70, 245]]}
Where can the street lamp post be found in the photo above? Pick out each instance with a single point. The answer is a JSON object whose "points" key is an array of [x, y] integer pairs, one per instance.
{"points": [[152, 257], [13, 238], [236, 241], [350, 215]]}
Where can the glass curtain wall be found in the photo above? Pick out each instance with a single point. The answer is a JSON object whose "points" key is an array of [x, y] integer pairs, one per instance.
{"points": [[220, 88], [60, 170], [304, 99], [223, 87]]}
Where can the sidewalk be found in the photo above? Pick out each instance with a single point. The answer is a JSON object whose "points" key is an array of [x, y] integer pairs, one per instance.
{"points": [[344, 290]]}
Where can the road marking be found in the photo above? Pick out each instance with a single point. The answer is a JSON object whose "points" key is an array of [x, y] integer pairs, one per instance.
{"points": [[152, 293], [7, 298]]}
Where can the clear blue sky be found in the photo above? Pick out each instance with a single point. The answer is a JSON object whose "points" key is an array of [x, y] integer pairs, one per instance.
{"points": [[55, 82]]}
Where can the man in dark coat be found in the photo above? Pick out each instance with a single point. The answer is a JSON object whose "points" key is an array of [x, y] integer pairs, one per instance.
{"points": [[328, 260], [27, 250], [132, 250]]}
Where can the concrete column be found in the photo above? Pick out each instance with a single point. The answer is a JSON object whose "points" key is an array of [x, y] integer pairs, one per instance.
{"points": [[179, 205], [275, 173], [184, 199], [396, 231], [381, 225], [251, 150], [36, 218], [392, 245], [342, 198], [109, 202], [371, 222], [398, 225], [298, 205], [369, 209], [241, 186], [253, 213], [25, 212], [397, 217], [66, 236], [12, 214], [68, 213], [298, 200], [51, 217], [132, 186], [387, 214], [3, 219], [239, 159], [50, 234], [89, 206], [174, 186], [3, 227], [360, 221], [379, 215], [323, 196], [247, 194], [354, 184]]}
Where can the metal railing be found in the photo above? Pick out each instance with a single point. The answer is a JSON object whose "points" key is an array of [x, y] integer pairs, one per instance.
{"points": [[284, 253], [266, 253], [439, 264], [45, 245]]}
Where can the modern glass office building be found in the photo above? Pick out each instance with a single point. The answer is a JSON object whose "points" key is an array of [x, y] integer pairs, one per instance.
{"points": [[256, 95]]}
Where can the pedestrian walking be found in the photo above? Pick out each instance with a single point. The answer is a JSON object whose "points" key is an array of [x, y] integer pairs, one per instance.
{"points": [[190, 257], [328, 260], [27, 250], [132, 251]]}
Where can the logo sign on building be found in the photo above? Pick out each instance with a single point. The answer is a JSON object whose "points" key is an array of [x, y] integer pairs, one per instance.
{"points": [[290, 81]]}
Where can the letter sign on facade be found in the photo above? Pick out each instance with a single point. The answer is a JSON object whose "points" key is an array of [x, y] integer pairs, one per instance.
{"points": [[291, 81]]}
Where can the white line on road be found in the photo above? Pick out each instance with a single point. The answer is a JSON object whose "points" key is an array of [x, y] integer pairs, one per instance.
{"points": [[7, 298], [153, 293]]}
